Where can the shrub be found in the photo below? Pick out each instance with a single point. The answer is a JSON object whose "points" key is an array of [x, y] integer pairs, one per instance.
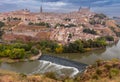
{"points": [[51, 75], [7, 52], [108, 66], [27, 47], [109, 38], [98, 71], [69, 80], [22, 75], [1, 61], [101, 16], [34, 51], [59, 49], [89, 31], [30, 23], [2, 24], [17, 54], [113, 72], [48, 44], [95, 77]]}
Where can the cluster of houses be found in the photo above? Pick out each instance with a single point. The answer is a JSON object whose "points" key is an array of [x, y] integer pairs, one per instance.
{"points": [[64, 27]]}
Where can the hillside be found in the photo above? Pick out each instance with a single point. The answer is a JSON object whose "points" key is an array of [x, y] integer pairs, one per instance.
{"points": [[60, 27], [7, 76]]}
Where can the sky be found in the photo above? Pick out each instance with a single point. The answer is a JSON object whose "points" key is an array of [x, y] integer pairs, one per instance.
{"points": [[109, 7]]}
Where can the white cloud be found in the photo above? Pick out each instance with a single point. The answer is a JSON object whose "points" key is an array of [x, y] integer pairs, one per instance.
{"points": [[54, 4], [100, 2]]}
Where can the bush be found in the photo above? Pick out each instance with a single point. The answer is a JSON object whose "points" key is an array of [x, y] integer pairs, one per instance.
{"points": [[40, 24], [22, 75], [2, 24], [1, 61], [89, 31], [22, 46], [51, 75], [34, 51], [51, 45], [16, 51], [98, 71], [109, 38], [17, 54], [96, 77], [113, 72], [30, 23], [69, 80], [74, 47], [7, 52], [59, 49], [101, 16]]}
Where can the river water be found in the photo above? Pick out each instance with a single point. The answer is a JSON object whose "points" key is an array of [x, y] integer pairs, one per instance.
{"points": [[41, 66], [91, 57]]}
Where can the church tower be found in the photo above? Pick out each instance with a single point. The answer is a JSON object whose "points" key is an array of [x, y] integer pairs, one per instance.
{"points": [[79, 9], [89, 4], [41, 9]]}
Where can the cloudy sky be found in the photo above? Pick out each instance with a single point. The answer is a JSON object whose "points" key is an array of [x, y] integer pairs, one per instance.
{"points": [[109, 7]]}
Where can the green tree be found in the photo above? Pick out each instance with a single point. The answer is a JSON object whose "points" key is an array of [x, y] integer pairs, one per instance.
{"points": [[1, 31], [17, 54], [101, 16], [59, 49], [89, 31], [100, 42], [46, 44], [109, 38], [2, 24], [80, 45], [34, 51], [6, 52], [74, 47]]}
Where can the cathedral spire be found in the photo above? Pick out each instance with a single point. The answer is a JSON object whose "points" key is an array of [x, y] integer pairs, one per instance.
{"points": [[89, 4], [41, 9], [79, 8]]}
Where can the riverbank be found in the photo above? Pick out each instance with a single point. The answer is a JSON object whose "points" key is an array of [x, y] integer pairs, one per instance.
{"points": [[36, 57], [8, 60], [8, 76], [101, 71]]}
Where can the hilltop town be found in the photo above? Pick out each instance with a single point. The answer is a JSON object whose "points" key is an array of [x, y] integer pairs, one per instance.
{"points": [[61, 27]]}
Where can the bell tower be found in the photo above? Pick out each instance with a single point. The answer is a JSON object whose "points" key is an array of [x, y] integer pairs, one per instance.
{"points": [[79, 9], [89, 4], [41, 7]]}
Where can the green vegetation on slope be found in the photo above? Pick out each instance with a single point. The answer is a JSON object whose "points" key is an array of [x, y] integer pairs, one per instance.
{"points": [[17, 51], [104, 71], [40, 24], [79, 46]]}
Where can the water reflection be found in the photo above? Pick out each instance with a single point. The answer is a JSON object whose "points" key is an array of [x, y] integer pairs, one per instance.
{"points": [[90, 57]]}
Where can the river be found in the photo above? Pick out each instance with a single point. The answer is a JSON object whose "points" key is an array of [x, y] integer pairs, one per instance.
{"points": [[91, 57], [41, 66]]}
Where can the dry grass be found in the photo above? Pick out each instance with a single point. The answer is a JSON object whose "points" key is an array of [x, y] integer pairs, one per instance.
{"points": [[7, 76]]}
